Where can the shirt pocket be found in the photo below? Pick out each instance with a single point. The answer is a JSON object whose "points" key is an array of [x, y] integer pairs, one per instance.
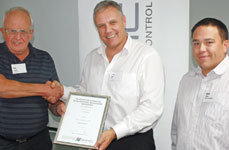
{"points": [[125, 86], [218, 111]]}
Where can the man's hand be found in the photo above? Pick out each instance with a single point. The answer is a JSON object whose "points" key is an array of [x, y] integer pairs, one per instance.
{"points": [[51, 91], [106, 138], [60, 108], [54, 91]]}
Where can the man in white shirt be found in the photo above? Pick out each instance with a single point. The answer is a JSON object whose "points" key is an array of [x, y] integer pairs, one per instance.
{"points": [[201, 120], [132, 74]]}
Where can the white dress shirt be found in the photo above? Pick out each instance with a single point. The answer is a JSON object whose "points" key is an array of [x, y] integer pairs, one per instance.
{"points": [[201, 116], [135, 81]]}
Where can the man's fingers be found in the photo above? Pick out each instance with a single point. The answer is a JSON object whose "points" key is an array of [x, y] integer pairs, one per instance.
{"points": [[97, 144], [50, 99], [54, 84], [104, 145], [105, 139], [61, 108], [48, 82], [54, 91]]}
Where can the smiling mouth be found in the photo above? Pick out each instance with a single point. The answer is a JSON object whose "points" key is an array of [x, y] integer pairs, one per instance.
{"points": [[111, 36], [203, 57], [17, 43]]}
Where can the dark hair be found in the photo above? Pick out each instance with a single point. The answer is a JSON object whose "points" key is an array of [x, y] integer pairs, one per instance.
{"points": [[105, 4], [223, 32]]}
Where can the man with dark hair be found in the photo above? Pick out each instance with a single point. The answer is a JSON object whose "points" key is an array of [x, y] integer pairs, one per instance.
{"points": [[201, 119], [24, 70], [131, 73]]}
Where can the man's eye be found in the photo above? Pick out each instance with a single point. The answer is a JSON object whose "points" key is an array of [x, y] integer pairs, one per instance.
{"points": [[23, 31], [196, 43], [113, 22], [13, 31], [100, 26]]}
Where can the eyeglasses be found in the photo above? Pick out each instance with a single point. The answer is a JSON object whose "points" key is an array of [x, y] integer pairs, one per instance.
{"points": [[13, 32]]}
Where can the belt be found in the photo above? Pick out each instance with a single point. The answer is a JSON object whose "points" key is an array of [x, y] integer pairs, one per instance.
{"points": [[21, 140]]}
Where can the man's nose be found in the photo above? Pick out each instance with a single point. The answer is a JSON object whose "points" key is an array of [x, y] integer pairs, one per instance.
{"points": [[202, 47], [108, 28], [18, 35]]}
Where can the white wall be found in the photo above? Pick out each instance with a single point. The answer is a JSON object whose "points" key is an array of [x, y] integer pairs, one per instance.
{"points": [[172, 42]]}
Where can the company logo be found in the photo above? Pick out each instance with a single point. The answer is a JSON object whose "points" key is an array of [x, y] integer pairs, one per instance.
{"points": [[136, 25], [145, 13], [82, 140]]}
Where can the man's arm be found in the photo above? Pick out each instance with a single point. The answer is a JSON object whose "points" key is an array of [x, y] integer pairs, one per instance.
{"points": [[15, 89], [150, 104], [174, 131], [150, 108], [175, 119]]}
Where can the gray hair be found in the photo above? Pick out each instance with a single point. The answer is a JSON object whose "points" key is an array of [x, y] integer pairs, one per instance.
{"points": [[17, 9], [105, 4]]}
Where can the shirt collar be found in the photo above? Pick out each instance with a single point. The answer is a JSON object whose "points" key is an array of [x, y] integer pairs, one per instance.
{"points": [[126, 49], [219, 69], [5, 48], [32, 50], [127, 46], [222, 67]]}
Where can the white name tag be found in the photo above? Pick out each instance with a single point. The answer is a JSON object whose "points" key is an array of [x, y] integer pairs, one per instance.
{"points": [[115, 76], [18, 68], [210, 97]]}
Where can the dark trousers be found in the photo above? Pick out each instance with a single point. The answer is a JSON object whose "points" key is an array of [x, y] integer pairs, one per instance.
{"points": [[139, 141], [41, 141]]}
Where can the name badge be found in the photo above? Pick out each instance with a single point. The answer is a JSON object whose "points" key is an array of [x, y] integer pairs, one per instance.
{"points": [[18, 68], [115, 76], [209, 97]]}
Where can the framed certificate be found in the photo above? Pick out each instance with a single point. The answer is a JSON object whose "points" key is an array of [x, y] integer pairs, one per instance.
{"points": [[83, 121]]}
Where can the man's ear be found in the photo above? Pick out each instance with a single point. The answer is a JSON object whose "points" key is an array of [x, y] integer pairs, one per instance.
{"points": [[3, 33], [31, 34], [124, 21], [226, 44]]}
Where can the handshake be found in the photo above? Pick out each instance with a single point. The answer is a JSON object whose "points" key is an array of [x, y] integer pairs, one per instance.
{"points": [[53, 91]]}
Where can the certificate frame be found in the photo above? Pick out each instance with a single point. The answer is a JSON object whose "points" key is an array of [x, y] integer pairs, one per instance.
{"points": [[73, 137]]}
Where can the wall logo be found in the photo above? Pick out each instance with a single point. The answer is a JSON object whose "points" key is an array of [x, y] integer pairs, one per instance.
{"points": [[136, 26], [143, 21]]}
